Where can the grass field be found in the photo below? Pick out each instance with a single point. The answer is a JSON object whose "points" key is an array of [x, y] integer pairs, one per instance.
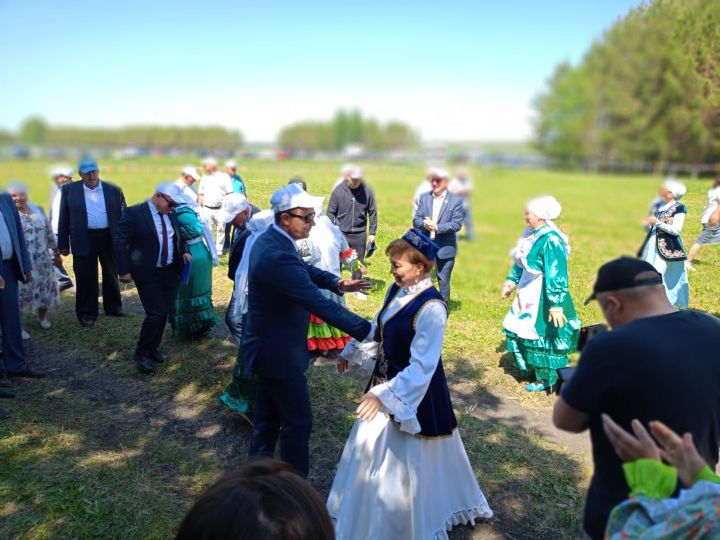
{"points": [[98, 450]]}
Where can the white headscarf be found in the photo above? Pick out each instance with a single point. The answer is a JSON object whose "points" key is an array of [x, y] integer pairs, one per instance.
{"points": [[548, 208], [257, 225], [678, 189]]}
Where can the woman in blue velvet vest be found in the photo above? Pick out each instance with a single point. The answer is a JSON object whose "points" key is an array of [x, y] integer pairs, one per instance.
{"points": [[404, 472]]}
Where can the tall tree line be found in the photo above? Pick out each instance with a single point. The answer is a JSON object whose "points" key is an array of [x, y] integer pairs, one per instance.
{"points": [[648, 90], [347, 127]]}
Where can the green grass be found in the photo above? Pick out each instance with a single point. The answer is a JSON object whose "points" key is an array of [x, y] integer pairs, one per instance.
{"points": [[100, 451]]}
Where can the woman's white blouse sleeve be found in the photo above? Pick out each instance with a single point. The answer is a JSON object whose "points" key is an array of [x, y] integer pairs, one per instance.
{"points": [[676, 228], [403, 393]]}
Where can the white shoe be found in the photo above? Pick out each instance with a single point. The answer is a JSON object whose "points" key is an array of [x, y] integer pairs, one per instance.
{"points": [[45, 323], [361, 296], [25, 334]]}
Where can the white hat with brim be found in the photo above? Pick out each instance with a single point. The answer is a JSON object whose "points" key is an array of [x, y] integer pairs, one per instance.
{"points": [[171, 191], [191, 171], [232, 205], [356, 172], [289, 197]]}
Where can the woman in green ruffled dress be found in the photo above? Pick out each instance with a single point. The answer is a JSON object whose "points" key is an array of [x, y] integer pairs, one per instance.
{"points": [[541, 326], [194, 315]]}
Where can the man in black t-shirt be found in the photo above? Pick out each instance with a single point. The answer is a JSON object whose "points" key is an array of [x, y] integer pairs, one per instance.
{"points": [[656, 364]]}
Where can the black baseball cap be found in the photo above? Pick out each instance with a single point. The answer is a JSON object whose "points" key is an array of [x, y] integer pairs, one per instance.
{"points": [[624, 273]]}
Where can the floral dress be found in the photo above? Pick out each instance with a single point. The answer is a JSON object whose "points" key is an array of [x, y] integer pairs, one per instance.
{"points": [[42, 292]]}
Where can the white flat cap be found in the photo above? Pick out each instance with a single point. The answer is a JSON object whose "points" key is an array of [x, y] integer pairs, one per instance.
{"points": [[231, 163], [356, 172], [232, 205], [62, 171], [209, 161], [169, 189], [191, 171]]}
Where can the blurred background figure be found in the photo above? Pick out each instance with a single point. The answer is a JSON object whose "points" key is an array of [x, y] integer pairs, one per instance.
{"points": [[352, 208], [264, 498], [663, 247], [41, 293], [214, 187], [238, 187], [188, 176], [345, 171], [424, 187], [60, 177], [709, 234], [299, 181], [462, 186], [194, 315]]}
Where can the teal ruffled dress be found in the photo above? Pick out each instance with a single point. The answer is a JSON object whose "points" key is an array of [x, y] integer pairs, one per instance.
{"points": [[194, 314], [540, 271]]}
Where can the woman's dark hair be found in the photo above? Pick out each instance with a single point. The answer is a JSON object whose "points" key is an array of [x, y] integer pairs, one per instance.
{"points": [[299, 181], [400, 248], [264, 499]]}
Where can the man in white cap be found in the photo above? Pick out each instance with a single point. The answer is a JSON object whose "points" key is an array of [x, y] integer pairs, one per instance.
{"points": [[235, 211], [214, 187], [352, 208], [188, 176], [60, 177], [151, 252], [283, 291]]}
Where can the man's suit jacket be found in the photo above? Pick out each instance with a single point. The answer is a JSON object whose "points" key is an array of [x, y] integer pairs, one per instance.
{"points": [[283, 291], [21, 261], [72, 222], [137, 246], [449, 222]]}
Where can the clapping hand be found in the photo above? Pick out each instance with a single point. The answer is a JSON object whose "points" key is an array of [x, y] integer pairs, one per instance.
{"points": [[369, 407], [354, 285], [627, 446]]}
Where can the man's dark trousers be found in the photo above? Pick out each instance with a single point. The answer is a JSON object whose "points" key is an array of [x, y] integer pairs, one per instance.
{"points": [[86, 277], [13, 354], [283, 410], [157, 295], [444, 271], [358, 242]]}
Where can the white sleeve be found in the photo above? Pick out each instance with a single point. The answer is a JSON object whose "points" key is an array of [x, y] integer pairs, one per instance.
{"points": [[676, 228], [363, 353], [209, 242], [402, 395]]}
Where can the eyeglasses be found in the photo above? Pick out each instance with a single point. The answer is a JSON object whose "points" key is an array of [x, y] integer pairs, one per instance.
{"points": [[171, 203], [308, 218]]}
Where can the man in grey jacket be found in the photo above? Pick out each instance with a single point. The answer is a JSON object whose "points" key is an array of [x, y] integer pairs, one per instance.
{"points": [[351, 207]]}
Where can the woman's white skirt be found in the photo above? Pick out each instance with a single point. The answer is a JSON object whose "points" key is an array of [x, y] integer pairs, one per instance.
{"points": [[393, 485]]}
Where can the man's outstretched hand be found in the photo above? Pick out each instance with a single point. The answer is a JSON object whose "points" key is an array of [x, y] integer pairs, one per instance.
{"points": [[354, 285]]}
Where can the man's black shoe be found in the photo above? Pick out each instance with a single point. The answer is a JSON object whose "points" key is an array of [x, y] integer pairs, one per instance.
{"points": [[4, 413], [6, 395], [144, 364], [87, 322], [28, 373], [158, 357]]}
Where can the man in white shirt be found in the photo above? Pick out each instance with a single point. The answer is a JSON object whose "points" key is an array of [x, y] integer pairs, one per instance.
{"points": [[89, 213], [60, 177], [214, 187]]}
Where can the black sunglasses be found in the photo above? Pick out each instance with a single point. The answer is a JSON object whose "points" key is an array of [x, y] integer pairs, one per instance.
{"points": [[306, 218], [171, 203]]}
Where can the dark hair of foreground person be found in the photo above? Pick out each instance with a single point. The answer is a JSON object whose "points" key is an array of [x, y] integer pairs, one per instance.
{"points": [[263, 499]]}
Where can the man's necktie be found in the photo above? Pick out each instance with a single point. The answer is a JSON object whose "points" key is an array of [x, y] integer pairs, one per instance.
{"points": [[164, 246]]}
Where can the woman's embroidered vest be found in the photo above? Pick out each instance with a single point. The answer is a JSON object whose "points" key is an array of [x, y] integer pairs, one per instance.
{"points": [[670, 247]]}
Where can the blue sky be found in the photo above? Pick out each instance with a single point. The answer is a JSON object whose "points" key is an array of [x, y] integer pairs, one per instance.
{"points": [[456, 70]]}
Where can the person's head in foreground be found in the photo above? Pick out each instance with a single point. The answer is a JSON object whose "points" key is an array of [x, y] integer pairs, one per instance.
{"points": [[89, 172], [294, 211], [540, 210], [167, 196], [264, 499], [627, 289], [411, 257]]}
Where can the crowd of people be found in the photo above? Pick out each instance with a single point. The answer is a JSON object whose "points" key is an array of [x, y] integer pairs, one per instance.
{"points": [[404, 471]]}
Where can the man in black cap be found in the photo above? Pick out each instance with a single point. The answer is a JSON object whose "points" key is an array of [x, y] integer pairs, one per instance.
{"points": [[657, 363]]}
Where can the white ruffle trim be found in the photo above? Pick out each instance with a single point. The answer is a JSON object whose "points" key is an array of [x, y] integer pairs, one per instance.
{"points": [[403, 413], [463, 517]]}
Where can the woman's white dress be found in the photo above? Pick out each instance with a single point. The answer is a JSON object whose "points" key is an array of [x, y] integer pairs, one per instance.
{"points": [[390, 483]]}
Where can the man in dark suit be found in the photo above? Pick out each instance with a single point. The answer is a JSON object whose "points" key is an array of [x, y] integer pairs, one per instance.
{"points": [[89, 215], [15, 266], [440, 216], [283, 291], [149, 251]]}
